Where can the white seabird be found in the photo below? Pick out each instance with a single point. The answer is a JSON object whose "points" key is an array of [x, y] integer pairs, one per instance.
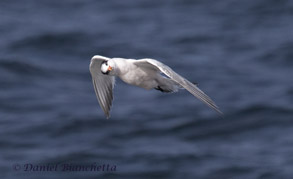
{"points": [[144, 73]]}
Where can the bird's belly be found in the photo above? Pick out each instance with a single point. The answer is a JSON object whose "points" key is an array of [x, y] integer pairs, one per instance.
{"points": [[140, 79]]}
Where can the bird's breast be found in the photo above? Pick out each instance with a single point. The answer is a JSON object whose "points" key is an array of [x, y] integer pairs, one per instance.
{"points": [[139, 78]]}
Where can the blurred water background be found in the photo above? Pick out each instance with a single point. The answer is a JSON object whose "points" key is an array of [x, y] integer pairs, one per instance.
{"points": [[240, 53]]}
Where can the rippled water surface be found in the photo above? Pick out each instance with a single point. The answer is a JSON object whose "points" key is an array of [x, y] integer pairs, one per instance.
{"points": [[239, 52]]}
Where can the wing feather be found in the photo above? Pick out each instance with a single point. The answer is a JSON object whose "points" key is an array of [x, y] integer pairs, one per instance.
{"points": [[103, 84], [192, 88]]}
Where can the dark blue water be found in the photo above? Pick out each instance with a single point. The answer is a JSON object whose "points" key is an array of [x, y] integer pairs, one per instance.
{"points": [[240, 53]]}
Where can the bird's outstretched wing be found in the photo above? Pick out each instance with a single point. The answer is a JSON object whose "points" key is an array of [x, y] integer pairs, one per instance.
{"points": [[192, 88], [103, 84]]}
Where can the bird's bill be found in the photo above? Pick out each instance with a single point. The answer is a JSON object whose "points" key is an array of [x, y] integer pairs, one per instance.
{"points": [[110, 68]]}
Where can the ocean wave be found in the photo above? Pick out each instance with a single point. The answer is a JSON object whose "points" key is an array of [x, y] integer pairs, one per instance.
{"points": [[21, 67], [52, 41], [246, 119], [280, 56]]}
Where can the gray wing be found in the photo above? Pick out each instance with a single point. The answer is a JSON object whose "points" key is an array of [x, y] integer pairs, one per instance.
{"points": [[103, 84], [192, 88]]}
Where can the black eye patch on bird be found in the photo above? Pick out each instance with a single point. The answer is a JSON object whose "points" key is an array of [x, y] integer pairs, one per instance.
{"points": [[106, 72], [105, 62]]}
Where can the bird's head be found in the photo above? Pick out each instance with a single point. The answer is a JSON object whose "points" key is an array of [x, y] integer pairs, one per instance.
{"points": [[107, 67]]}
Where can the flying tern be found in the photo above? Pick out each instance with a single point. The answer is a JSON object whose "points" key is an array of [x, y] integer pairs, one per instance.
{"points": [[145, 73]]}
